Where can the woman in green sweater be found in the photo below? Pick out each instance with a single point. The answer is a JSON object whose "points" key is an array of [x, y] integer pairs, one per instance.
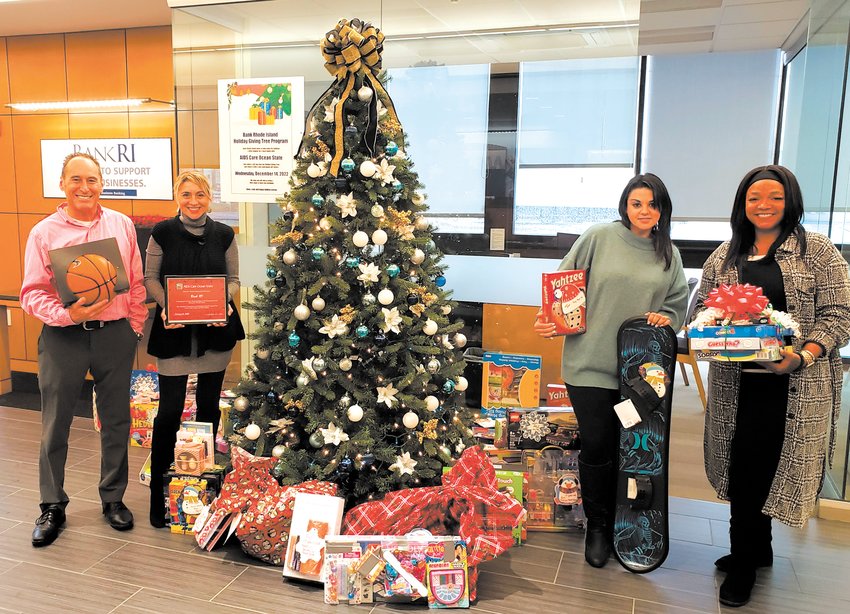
{"points": [[633, 268]]}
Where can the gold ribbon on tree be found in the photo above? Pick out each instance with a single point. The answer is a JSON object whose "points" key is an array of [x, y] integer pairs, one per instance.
{"points": [[353, 48]]}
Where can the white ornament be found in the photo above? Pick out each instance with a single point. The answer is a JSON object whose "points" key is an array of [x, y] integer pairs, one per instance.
{"points": [[364, 94], [345, 364], [379, 237], [461, 384], [302, 312], [278, 451], [432, 402], [460, 340], [418, 256], [410, 420], [325, 223], [290, 256], [403, 464], [318, 303], [314, 171], [446, 309], [252, 432], [360, 239], [430, 327], [241, 403], [302, 380], [421, 223], [368, 168], [417, 198], [333, 434], [355, 413], [385, 296], [263, 353], [377, 210]]}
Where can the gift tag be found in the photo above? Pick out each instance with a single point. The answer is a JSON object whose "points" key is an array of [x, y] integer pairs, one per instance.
{"points": [[627, 413]]}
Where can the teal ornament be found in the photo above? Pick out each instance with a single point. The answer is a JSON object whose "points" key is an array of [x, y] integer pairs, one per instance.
{"points": [[317, 253], [361, 331], [397, 186], [294, 339], [271, 272], [347, 165], [440, 281], [393, 270], [449, 386], [352, 261], [318, 200], [391, 148]]}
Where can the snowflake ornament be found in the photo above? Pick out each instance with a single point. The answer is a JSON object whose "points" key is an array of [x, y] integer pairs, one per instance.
{"points": [[534, 425]]}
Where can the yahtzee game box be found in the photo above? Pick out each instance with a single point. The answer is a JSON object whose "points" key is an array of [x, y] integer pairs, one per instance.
{"points": [[564, 301]]}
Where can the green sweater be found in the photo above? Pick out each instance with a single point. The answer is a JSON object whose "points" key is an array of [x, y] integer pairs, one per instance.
{"points": [[625, 280]]}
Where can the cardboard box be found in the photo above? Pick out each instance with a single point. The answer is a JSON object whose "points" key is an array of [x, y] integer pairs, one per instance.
{"points": [[187, 497], [737, 343], [314, 519], [509, 381], [557, 396], [533, 429], [142, 415]]}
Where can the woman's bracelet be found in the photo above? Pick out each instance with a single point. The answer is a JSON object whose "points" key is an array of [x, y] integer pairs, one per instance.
{"points": [[807, 357]]}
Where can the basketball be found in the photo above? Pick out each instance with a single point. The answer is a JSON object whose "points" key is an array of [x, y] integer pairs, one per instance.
{"points": [[92, 277]]}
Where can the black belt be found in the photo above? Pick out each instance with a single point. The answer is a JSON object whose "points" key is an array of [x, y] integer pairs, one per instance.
{"points": [[96, 324]]}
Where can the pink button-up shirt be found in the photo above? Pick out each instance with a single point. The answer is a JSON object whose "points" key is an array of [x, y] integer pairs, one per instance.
{"points": [[39, 296]]}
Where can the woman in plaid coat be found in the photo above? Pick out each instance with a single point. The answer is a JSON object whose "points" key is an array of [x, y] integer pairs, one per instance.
{"points": [[769, 427]]}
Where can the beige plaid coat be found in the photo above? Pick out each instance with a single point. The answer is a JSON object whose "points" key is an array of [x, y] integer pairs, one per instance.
{"points": [[817, 291]]}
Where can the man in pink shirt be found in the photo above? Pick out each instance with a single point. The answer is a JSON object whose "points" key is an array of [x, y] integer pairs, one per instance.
{"points": [[100, 338]]}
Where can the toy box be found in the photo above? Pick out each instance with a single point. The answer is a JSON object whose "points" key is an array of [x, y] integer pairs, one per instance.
{"points": [[508, 381], [187, 497], [553, 499], [737, 343], [533, 429], [314, 519], [142, 414], [564, 301], [557, 396]]}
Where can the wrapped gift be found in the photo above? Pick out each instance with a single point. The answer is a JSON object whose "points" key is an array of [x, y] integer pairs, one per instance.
{"points": [[468, 503], [739, 325], [265, 506]]}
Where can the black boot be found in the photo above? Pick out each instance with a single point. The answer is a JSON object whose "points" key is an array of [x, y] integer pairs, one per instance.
{"points": [[738, 585], [596, 494]]}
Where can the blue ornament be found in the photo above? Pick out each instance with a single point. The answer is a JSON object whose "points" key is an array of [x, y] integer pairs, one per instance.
{"points": [[347, 165], [361, 331], [352, 261], [294, 339], [271, 396], [391, 148], [317, 200], [449, 386], [397, 186], [318, 252], [352, 130], [440, 281], [393, 270], [271, 272], [345, 465]]}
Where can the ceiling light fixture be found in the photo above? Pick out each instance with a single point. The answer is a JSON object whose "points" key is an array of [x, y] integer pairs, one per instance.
{"points": [[83, 104]]}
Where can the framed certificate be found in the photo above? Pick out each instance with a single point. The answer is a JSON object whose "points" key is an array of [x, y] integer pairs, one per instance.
{"points": [[195, 299]]}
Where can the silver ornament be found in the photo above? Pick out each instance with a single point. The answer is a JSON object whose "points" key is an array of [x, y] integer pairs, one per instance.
{"points": [[345, 364], [460, 340], [302, 380], [290, 256], [368, 299], [278, 451], [241, 403], [319, 363], [345, 401], [433, 366], [263, 353]]}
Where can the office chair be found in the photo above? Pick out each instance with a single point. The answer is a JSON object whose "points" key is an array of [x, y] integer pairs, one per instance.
{"points": [[684, 354]]}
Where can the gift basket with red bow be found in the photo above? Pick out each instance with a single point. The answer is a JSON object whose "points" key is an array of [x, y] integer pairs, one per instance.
{"points": [[739, 324]]}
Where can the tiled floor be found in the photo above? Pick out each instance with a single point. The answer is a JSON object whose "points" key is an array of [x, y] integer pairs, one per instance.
{"points": [[92, 568]]}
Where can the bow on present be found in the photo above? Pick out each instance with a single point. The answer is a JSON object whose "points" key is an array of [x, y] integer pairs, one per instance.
{"points": [[354, 48], [738, 302], [468, 504]]}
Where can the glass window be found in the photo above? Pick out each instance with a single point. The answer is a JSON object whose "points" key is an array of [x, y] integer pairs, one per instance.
{"points": [[576, 139]]}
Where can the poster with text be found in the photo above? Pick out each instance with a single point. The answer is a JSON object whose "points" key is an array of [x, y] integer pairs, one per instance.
{"points": [[260, 124]]}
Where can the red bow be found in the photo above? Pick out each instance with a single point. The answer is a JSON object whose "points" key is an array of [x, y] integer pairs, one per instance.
{"points": [[738, 302]]}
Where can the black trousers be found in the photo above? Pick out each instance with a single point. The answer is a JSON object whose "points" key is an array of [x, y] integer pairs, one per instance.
{"points": [[598, 427], [172, 396], [756, 447]]}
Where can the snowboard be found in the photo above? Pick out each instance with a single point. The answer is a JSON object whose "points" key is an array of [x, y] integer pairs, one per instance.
{"points": [[646, 360]]}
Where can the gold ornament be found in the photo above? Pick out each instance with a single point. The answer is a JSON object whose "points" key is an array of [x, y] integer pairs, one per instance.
{"points": [[429, 430], [346, 314]]}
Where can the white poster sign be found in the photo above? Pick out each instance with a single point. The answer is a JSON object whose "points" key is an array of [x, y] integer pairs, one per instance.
{"points": [[260, 123], [132, 168]]}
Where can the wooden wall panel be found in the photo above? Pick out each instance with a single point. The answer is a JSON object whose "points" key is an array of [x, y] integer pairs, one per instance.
{"points": [[17, 336], [98, 125], [28, 130], [32, 329], [507, 328], [37, 68], [4, 78], [96, 65], [150, 68], [10, 255], [185, 140], [9, 197], [205, 137]]}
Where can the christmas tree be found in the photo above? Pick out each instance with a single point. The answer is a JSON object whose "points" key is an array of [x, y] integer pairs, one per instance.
{"points": [[356, 377]]}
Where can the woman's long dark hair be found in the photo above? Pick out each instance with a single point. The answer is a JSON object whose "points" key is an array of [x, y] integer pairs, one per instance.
{"points": [[661, 233], [743, 231]]}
